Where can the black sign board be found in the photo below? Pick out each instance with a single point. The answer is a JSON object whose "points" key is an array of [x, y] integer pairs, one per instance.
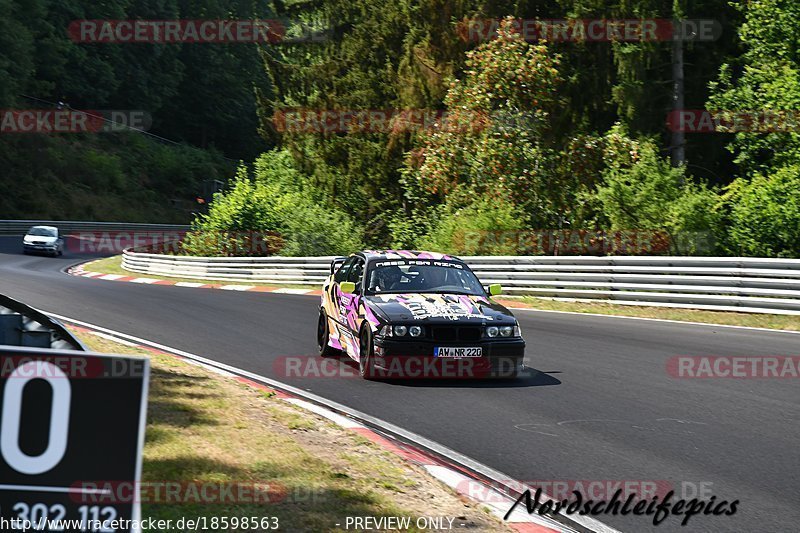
{"points": [[71, 431]]}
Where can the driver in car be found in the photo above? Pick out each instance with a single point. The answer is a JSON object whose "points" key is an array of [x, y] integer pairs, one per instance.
{"points": [[386, 279]]}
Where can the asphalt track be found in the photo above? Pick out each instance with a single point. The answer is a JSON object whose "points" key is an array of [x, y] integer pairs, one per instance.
{"points": [[601, 406]]}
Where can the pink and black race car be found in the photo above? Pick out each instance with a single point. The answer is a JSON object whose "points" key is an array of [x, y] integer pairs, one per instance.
{"points": [[409, 314]]}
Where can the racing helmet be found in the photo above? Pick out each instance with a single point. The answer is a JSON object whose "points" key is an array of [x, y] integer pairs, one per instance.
{"points": [[385, 278]]}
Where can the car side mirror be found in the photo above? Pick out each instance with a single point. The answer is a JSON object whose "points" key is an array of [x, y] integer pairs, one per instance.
{"points": [[347, 287], [495, 289]]}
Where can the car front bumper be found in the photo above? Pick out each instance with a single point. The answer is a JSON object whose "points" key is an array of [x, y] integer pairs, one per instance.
{"points": [[40, 247], [415, 359]]}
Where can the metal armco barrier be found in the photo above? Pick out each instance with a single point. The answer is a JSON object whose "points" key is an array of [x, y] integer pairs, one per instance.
{"points": [[65, 227], [754, 285]]}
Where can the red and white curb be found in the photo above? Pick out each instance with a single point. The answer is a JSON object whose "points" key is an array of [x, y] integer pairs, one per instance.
{"points": [[458, 478], [80, 271]]}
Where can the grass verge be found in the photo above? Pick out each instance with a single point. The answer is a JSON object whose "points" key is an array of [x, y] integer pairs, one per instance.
{"points": [[205, 427], [113, 265], [754, 320]]}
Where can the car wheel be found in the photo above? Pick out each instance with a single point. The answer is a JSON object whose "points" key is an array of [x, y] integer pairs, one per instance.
{"points": [[366, 360], [323, 333]]}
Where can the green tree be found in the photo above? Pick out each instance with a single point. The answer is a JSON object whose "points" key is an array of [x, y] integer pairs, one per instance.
{"points": [[769, 83], [642, 191], [494, 139], [275, 207], [763, 214], [488, 226]]}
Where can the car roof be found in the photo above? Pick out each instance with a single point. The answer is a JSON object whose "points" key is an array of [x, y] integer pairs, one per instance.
{"points": [[45, 227], [372, 255]]}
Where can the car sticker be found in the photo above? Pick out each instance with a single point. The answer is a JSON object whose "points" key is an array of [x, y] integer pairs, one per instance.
{"points": [[422, 306]]}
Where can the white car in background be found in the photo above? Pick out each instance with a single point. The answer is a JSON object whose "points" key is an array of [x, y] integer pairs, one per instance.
{"points": [[43, 239]]}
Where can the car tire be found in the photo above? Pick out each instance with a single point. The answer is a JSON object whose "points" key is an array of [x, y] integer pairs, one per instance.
{"points": [[323, 333], [366, 359]]}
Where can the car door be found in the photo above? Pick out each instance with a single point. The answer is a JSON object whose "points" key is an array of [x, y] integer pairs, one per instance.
{"points": [[350, 302], [336, 311]]}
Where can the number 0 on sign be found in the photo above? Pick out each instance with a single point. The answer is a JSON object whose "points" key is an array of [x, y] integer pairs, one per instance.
{"points": [[70, 422]]}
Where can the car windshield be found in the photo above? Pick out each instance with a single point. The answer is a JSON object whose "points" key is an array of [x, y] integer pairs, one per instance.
{"points": [[418, 275], [42, 232]]}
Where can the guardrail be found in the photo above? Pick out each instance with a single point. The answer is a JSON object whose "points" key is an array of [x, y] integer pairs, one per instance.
{"points": [[754, 285], [21, 227]]}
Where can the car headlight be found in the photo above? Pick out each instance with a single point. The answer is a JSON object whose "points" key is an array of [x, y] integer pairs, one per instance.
{"points": [[506, 331], [492, 331], [400, 331], [415, 331]]}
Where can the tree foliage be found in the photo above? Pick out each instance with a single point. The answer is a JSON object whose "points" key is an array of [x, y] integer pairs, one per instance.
{"points": [[528, 139], [768, 81], [270, 213], [764, 214], [641, 190]]}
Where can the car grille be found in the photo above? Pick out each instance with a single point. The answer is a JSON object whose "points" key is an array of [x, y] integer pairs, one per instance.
{"points": [[452, 334]]}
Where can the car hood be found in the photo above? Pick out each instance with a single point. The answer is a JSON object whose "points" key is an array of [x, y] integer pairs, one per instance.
{"points": [[438, 308], [39, 239]]}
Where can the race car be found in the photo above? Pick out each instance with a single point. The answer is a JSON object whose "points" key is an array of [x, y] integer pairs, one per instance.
{"points": [[414, 314]]}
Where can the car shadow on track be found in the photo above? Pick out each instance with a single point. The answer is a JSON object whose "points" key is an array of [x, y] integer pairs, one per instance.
{"points": [[529, 377]]}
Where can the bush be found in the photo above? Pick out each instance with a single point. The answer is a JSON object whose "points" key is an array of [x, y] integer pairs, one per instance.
{"points": [[649, 194], [273, 213], [764, 214], [485, 227], [312, 230]]}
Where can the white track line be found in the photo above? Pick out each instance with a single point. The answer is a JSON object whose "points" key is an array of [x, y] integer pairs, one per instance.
{"points": [[336, 418], [188, 284], [113, 338], [707, 324], [292, 291], [237, 287]]}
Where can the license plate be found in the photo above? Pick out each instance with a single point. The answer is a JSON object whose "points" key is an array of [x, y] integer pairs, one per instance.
{"points": [[457, 351]]}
